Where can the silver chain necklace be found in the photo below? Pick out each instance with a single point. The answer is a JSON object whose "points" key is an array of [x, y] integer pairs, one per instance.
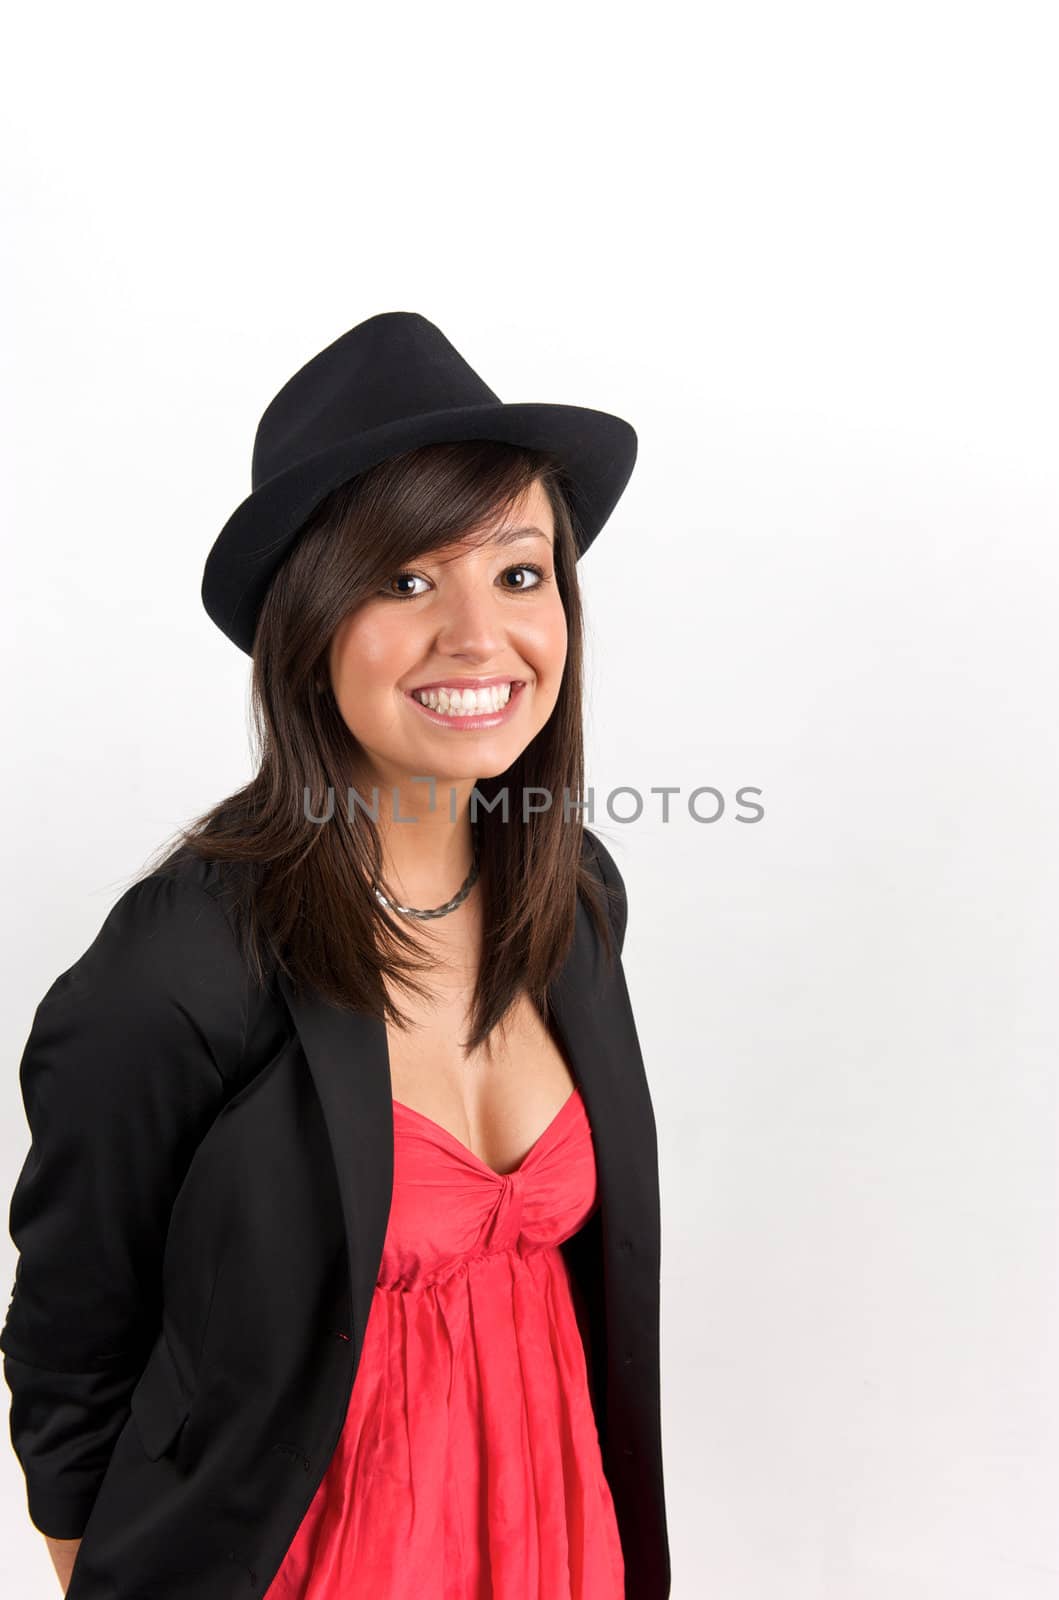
{"points": [[450, 905]]}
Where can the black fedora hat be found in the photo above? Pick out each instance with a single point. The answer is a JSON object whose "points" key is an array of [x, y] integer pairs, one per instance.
{"points": [[391, 384]]}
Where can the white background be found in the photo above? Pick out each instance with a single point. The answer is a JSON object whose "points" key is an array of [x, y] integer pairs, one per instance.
{"points": [[810, 252]]}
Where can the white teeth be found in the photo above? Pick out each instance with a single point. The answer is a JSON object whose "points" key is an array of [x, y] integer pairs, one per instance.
{"points": [[465, 702]]}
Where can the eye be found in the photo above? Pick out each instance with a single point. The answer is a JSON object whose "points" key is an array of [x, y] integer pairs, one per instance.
{"points": [[401, 577], [415, 577], [528, 566]]}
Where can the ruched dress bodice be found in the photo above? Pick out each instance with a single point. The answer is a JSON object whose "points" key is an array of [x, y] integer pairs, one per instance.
{"points": [[469, 1465]]}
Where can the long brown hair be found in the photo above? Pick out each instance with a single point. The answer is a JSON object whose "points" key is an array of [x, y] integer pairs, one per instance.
{"points": [[308, 904]]}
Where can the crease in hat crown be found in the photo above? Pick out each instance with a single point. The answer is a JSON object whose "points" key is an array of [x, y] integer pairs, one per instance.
{"points": [[390, 384]]}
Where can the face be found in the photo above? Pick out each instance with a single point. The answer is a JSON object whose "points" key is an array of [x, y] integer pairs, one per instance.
{"points": [[455, 666]]}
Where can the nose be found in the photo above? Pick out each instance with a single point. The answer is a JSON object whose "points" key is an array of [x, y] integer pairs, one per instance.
{"points": [[471, 625]]}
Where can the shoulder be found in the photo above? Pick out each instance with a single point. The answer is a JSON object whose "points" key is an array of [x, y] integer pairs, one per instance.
{"points": [[171, 920], [165, 964], [599, 860]]}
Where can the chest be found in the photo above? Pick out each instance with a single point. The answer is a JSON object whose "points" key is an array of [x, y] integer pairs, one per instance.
{"points": [[496, 1100]]}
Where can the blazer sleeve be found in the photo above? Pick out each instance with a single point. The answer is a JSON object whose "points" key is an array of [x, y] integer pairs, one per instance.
{"points": [[615, 884], [128, 1061]]}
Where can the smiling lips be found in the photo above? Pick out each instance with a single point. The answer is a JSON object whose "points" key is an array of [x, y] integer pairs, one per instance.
{"points": [[464, 702], [471, 708]]}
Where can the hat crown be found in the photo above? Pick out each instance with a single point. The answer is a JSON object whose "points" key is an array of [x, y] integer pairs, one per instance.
{"points": [[395, 365]]}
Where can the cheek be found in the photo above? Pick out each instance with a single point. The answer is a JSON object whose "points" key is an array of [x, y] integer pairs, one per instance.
{"points": [[366, 661], [369, 651], [547, 641]]}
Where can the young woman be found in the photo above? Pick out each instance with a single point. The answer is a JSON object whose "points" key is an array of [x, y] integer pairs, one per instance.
{"points": [[339, 1234]]}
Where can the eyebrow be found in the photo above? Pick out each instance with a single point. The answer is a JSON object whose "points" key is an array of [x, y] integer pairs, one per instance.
{"points": [[513, 535]]}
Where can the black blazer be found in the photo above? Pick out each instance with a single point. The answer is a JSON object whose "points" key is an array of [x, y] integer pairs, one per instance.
{"points": [[200, 1221]]}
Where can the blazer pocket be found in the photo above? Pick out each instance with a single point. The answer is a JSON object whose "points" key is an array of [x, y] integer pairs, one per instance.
{"points": [[160, 1403]]}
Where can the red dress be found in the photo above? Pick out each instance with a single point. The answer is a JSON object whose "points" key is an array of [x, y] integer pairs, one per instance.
{"points": [[469, 1466]]}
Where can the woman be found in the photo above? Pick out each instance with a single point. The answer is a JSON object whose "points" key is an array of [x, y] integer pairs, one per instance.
{"points": [[339, 1235]]}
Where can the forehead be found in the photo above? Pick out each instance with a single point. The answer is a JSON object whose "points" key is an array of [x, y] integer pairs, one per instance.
{"points": [[532, 507], [528, 521]]}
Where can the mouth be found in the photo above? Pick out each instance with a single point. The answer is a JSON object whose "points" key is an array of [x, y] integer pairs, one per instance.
{"points": [[469, 707]]}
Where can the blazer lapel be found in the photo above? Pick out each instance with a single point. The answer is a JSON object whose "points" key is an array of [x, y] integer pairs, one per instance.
{"points": [[590, 1006], [349, 1059]]}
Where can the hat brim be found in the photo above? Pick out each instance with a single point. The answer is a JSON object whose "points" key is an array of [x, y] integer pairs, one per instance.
{"points": [[596, 449]]}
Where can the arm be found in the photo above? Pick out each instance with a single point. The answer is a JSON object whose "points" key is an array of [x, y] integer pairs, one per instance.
{"points": [[63, 1553], [125, 1068]]}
